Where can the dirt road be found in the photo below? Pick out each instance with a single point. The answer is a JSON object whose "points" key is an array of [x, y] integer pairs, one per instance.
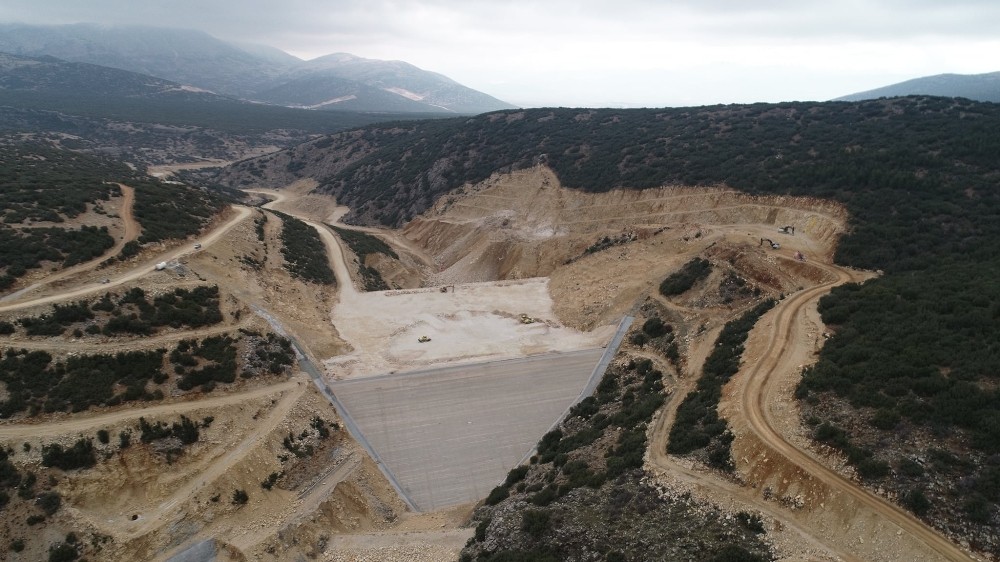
{"points": [[85, 423], [397, 241], [147, 267], [756, 401], [308, 503], [760, 395], [658, 458], [131, 232], [158, 517], [334, 252], [85, 346]]}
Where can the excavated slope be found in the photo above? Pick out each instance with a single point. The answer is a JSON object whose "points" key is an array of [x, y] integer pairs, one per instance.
{"points": [[524, 224]]}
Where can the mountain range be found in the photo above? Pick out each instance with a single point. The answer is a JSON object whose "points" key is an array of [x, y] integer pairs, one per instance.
{"points": [[252, 72], [979, 87]]}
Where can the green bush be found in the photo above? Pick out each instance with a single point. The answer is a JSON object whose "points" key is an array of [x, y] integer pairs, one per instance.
{"points": [[917, 502], [497, 495], [697, 423], [682, 280], [363, 244], [535, 522], [63, 552], [304, 252], [80, 455], [481, 527], [240, 497], [49, 502]]}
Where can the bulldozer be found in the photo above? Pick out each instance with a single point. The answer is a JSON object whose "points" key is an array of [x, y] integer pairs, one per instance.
{"points": [[423, 339]]}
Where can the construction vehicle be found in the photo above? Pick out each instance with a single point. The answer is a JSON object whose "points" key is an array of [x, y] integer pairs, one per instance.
{"points": [[774, 245], [787, 230], [525, 319], [197, 246], [799, 256], [161, 266], [446, 287], [423, 339]]}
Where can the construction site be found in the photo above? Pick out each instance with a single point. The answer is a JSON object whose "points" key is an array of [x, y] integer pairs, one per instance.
{"points": [[406, 406]]}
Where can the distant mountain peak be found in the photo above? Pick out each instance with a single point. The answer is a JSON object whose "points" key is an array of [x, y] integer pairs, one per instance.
{"points": [[979, 87], [336, 58], [339, 81]]}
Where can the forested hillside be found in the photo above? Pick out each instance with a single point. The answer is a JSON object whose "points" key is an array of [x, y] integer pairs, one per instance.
{"points": [[44, 191], [913, 363]]}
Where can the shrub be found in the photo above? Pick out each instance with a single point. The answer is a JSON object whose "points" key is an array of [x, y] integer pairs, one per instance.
{"points": [[497, 495], [910, 468], [304, 251], [270, 481], [535, 522], [481, 528], [871, 469], [80, 455], [240, 497], [978, 509], [735, 553], [751, 522], [49, 502], [654, 327], [63, 552], [917, 502], [516, 475], [680, 281]]}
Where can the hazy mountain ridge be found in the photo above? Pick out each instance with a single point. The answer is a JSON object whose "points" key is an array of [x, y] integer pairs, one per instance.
{"points": [[979, 87], [147, 120], [254, 72], [49, 74]]}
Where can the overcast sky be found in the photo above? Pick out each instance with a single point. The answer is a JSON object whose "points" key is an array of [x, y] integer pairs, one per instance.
{"points": [[623, 53]]}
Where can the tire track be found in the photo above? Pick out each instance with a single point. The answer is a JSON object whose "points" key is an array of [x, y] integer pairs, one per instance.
{"points": [[140, 270], [760, 392], [86, 423], [132, 230]]}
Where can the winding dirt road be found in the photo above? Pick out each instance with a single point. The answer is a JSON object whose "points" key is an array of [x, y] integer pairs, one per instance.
{"points": [[334, 251], [761, 393], [659, 459], [132, 229], [756, 401], [140, 270]]}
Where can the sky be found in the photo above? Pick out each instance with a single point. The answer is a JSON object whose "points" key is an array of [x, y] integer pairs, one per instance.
{"points": [[612, 53]]}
